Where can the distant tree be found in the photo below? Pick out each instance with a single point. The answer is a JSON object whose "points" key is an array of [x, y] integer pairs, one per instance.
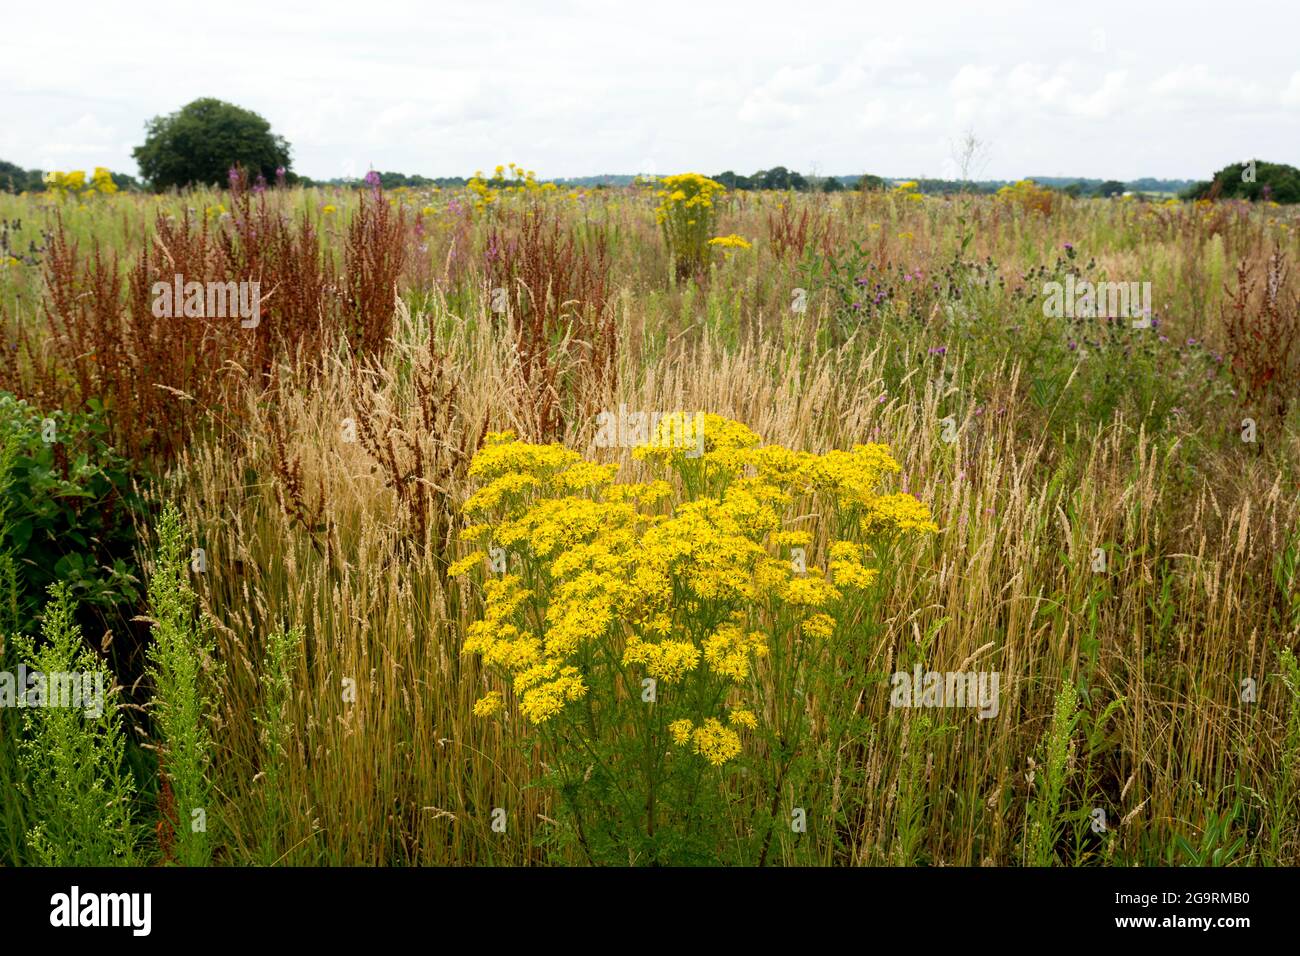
{"points": [[1254, 180], [1111, 187], [15, 179], [778, 177], [126, 183], [395, 180], [870, 183], [831, 185], [198, 144], [732, 181], [1074, 190]]}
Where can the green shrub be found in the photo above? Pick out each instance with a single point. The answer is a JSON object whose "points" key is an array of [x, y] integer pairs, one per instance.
{"points": [[176, 664], [70, 512], [75, 782]]}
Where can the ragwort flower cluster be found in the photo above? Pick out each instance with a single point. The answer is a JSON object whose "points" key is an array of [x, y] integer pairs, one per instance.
{"points": [[591, 587], [687, 214]]}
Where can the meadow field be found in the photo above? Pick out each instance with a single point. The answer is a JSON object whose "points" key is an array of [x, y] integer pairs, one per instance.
{"points": [[528, 525]]}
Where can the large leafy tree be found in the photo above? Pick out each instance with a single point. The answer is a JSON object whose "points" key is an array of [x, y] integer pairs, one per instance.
{"points": [[199, 144], [15, 179], [1254, 180]]}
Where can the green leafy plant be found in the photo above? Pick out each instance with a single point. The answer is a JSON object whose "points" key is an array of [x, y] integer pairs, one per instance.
{"points": [[180, 651], [1043, 824], [1219, 844], [274, 727], [78, 790], [70, 512]]}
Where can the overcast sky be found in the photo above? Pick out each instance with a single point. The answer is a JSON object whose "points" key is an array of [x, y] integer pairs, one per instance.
{"points": [[579, 87]]}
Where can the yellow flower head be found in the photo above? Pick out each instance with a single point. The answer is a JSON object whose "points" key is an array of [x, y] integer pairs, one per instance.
{"points": [[715, 743], [488, 705], [681, 731]]}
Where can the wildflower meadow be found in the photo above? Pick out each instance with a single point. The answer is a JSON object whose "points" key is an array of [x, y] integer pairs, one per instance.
{"points": [[521, 523]]}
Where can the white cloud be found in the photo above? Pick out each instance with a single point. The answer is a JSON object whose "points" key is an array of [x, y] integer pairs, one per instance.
{"points": [[580, 87], [1291, 95], [1193, 86]]}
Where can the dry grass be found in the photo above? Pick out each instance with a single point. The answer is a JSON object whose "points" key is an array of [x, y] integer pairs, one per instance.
{"points": [[333, 506]]}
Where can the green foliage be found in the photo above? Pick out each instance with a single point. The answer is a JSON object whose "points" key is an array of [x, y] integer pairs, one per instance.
{"points": [[177, 658], [71, 507], [201, 142], [1220, 842], [1255, 180], [1282, 825], [778, 178], [75, 782], [911, 789], [13, 824], [1043, 824], [15, 179], [274, 726]]}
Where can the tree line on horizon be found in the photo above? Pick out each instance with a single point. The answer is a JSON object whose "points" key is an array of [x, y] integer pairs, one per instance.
{"points": [[199, 144]]}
